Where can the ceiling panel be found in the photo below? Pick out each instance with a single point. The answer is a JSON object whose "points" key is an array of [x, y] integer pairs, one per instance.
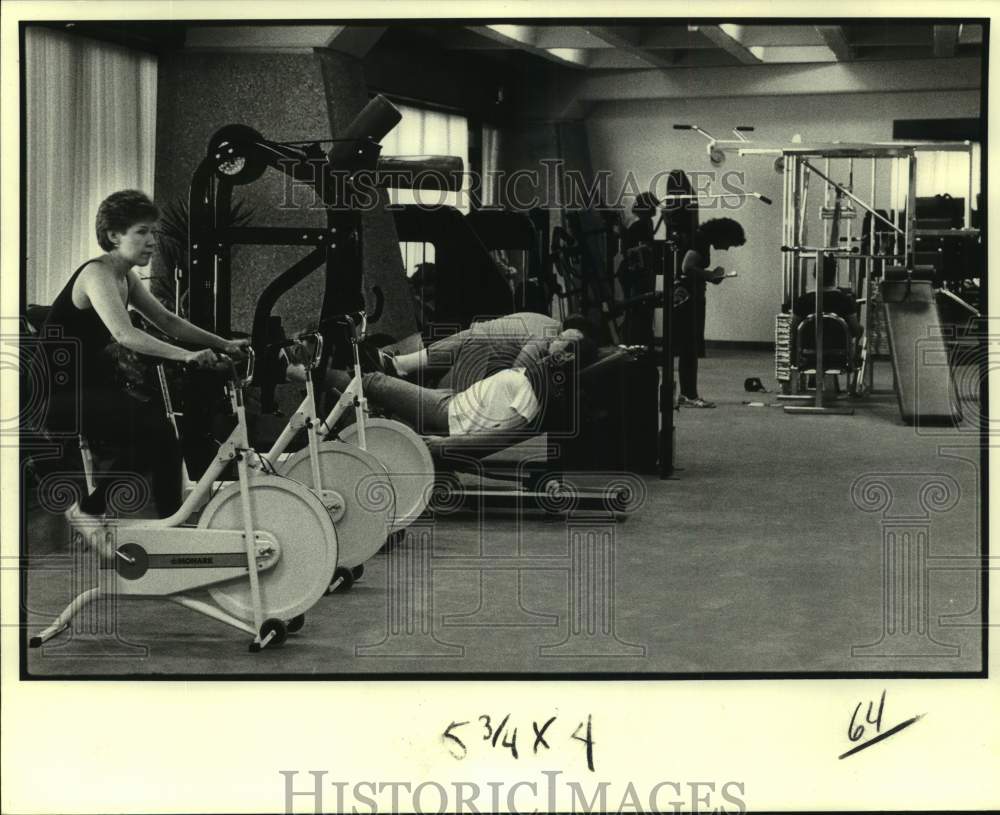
{"points": [[642, 45]]}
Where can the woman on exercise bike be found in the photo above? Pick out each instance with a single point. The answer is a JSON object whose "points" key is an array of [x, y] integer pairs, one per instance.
{"points": [[92, 311]]}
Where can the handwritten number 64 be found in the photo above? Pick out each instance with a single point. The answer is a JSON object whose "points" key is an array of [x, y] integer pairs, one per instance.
{"points": [[856, 731]]}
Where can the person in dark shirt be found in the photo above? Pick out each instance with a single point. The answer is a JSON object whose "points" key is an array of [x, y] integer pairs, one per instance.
{"points": [[689, 289], [92, 312], [680, 220], [634, 271]]}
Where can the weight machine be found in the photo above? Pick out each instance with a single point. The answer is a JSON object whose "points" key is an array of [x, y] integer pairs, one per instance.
{"points": [[345, 177], [894, 292]]}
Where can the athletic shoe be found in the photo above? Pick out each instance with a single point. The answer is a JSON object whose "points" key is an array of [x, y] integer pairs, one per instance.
{"points": [[374, 359], [697, 402], [94, 530], [79, 519]]}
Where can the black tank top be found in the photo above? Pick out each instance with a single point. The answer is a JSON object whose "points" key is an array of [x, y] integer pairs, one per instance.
{"points": [[84, 334]]}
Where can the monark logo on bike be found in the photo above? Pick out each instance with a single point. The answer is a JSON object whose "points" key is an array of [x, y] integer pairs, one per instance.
{"points": [[314, 791]]}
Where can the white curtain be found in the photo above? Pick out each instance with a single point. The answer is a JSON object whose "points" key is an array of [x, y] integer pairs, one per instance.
{"points": [[90, 131], [427, 133], [491, 162], [939, 172]]}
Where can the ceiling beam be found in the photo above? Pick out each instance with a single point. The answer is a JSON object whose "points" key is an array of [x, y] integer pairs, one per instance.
{"points": [[616, 59], [727, 37], [354, 39], [526, 38], [794, 53], [779, 35], [945, 40], [563, 36], [627, 39], [836, 41], [673, 36]]}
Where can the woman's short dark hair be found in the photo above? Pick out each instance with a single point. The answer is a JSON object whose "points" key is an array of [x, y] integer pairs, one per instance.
{"points": [[719, 230], [121, 210]]}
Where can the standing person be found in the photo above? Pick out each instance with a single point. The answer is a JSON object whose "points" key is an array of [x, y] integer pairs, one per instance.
{"points": [[680, 217], [636, 272], [92, 311], [720, 234]]}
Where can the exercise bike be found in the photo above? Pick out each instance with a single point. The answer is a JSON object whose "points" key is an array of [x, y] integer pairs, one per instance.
{"points": [[402, 451], [263, 548], [353, 484]]}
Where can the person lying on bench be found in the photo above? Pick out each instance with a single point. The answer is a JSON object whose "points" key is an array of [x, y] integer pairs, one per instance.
{"points": [[507, 401], [487, 347]]}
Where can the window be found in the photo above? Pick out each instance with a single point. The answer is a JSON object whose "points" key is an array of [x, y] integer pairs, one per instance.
{"points": [[425, 132], [940, 172]]}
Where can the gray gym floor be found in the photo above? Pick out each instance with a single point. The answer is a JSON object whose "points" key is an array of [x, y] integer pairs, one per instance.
{"points": [[765, 555]]}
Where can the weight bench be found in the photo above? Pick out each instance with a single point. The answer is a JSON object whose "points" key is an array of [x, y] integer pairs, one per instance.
{"points": [[557, 473]]}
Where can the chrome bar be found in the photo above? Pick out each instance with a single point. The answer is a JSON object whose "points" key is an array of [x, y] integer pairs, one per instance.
{"points": [[853, 197]]}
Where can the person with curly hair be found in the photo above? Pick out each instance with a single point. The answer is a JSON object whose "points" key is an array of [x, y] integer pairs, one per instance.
{"points": [[695, 272]]}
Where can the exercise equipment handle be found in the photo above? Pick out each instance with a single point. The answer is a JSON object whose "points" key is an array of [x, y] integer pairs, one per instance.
{"points": [[373, 123], [317, 338], [228, 364], [433, 173], [374, 315], [358, 318]]}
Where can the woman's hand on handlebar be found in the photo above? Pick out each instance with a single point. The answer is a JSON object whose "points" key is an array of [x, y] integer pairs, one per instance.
{"points": [[237, 349], [205, 358]]}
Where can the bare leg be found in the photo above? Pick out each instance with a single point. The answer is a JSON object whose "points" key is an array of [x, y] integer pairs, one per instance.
{"points": [[408, 364]]}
